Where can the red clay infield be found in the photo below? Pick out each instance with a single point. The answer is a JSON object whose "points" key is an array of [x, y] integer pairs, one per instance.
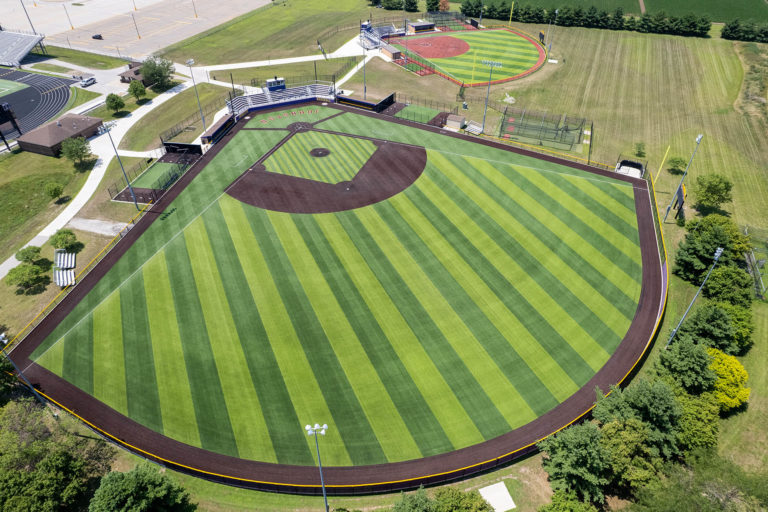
{"points": [[438, 47], [353, 479]]}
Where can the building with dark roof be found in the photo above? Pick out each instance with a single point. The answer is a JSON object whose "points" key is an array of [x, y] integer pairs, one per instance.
{"points": [[47, 139]]}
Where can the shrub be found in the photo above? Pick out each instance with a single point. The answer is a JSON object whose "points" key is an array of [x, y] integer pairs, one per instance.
{"points": [[731, 389], [730, 284]]}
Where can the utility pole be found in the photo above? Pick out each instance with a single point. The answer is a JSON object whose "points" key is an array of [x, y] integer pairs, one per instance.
{"points": [[314, 431], [491, 64], [28, 18]]}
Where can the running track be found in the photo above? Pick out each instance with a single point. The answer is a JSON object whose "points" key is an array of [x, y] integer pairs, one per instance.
{"points": [[358, 479], [36, 104]]}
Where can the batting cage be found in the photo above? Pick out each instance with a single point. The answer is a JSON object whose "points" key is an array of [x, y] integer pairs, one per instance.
{"points": [[535, 127]]}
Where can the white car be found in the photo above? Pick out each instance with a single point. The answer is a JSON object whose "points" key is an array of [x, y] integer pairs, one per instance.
{"points": [[85, 82]]}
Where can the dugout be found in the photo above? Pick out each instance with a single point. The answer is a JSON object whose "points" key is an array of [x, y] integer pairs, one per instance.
{"points": [[218, 130], [418, 27], [46, 140], [390, 51]]}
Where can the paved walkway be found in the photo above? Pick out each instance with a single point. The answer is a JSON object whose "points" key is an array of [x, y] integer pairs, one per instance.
{"points": [[102, 149]]}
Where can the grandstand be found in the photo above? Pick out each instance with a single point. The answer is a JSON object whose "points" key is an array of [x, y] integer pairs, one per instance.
{"points": [[267, 98], [16, 44], [374, 36]]}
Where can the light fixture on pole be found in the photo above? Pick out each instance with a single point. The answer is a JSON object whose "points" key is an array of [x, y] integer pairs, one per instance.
{"points": [[314, 431], [190, 62], [678, 190], [718, 253], [106, 129], [491, 64], [549, 49]]}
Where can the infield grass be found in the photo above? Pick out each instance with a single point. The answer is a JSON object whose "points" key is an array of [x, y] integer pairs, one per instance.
{"points": [[468, 305]]}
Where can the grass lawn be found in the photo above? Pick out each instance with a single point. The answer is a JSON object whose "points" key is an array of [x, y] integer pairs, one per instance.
{"points": [[79, 58], [43, 66], [18, 310], [25, 208], [9, 86], [516, 53], [718, 11], [417, 113], [77, 97], [407, 305], [324, 67], [145, 134], [275, 31], [101, 206], [131, 104]]}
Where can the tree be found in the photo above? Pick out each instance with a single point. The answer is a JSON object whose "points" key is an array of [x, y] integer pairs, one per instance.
{"points": [[688, 364], [25, 276], [114, 102], [710, 325], [417, 501], [632, 461], [639, 147], [712, 190], [563, 501], [730, 284], [445, 5], [731, 389], [158, 72], [28, 254], [76, 149], [696, 252], [63, 239], [449, 499], [743, 326], [677, 164], [576, 460], [433, 5], [143, 488], [699, 423], [653, 403], [471, 8], [411, 5], [53, 189], [8, 380], [137, 89]]}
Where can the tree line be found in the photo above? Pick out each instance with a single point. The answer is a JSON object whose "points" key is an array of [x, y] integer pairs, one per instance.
{"points": [[738, 30], [591, 17], [656, 441]]}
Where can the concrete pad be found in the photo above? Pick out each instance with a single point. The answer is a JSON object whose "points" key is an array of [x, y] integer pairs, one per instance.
{"points": [[101, 227], [498, 497]]}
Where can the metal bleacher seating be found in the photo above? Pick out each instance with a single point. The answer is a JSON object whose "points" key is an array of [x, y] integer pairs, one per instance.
{"points": [[63, 263], [64, 259], [269, 98], [63, 277]]}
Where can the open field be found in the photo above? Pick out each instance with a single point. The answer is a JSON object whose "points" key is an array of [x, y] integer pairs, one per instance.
{"points": [[410, 322], [145, 134], [305, 69], [25, 208], [517, 54], [276, 31], [131, 104]]}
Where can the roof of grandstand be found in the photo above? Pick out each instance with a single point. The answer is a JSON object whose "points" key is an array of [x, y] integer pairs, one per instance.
{"points": [[15, 45]]}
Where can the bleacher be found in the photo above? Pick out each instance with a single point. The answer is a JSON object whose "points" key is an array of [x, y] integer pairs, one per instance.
{"points": [[15, 45], [63, 259], [289, 95], [63, 277]]}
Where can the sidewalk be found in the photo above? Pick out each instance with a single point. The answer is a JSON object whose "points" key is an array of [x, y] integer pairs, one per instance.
{"points": [[102, 149]]}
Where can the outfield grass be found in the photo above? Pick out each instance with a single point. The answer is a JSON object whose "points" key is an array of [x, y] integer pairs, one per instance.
{"points": [[80, 58], [145, 134], [516, 54], [276, 31], [414, 326], [9, 86]]}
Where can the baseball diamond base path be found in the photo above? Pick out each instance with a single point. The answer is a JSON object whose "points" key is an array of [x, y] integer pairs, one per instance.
{"points": [[353, 479]]}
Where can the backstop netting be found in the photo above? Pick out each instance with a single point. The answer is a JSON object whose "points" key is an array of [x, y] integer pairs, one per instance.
{"points": [[448, 20]]}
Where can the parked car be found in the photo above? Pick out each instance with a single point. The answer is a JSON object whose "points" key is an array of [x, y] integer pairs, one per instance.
{"points": [[85, 82], [96, 36]]}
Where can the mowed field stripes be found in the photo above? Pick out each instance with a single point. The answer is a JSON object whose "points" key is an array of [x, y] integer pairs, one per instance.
{"points": [[516, 54], [468, 305]]}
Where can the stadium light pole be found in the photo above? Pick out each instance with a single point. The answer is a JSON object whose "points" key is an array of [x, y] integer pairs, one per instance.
{"points": [[194, 8], [549, 43], [5, 341], [491, 64], [685, 173], [482, 5], [107, 129], [365, 87], [135, 25], [71, 26], [718, 253], [190, 62], [30, 19], [314, 431]]}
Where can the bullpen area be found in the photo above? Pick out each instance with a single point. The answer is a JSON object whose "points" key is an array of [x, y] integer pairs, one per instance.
{"points": [[440, 303]]}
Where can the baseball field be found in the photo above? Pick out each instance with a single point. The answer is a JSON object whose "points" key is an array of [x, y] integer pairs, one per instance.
{"points": [[461, 55], [451, 293]]}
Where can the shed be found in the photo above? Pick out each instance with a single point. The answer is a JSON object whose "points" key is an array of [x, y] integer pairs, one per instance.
{"points": [[47, 139], [133, 73], [390, 51], [455, 122]]}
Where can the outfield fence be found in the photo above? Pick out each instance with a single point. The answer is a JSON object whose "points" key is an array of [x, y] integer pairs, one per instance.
{"points": [[79, 277]]}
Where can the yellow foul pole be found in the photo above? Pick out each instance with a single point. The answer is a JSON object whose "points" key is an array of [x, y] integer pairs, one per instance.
{"points": [[658, 172], [474, 61], [510, 14]]}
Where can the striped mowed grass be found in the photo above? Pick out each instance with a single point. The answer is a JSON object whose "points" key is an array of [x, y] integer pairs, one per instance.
{"points": [[466, 306], [517, 54]]}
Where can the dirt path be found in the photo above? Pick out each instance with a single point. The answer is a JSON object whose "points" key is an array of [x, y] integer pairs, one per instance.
{"points": [[642, 6]]}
